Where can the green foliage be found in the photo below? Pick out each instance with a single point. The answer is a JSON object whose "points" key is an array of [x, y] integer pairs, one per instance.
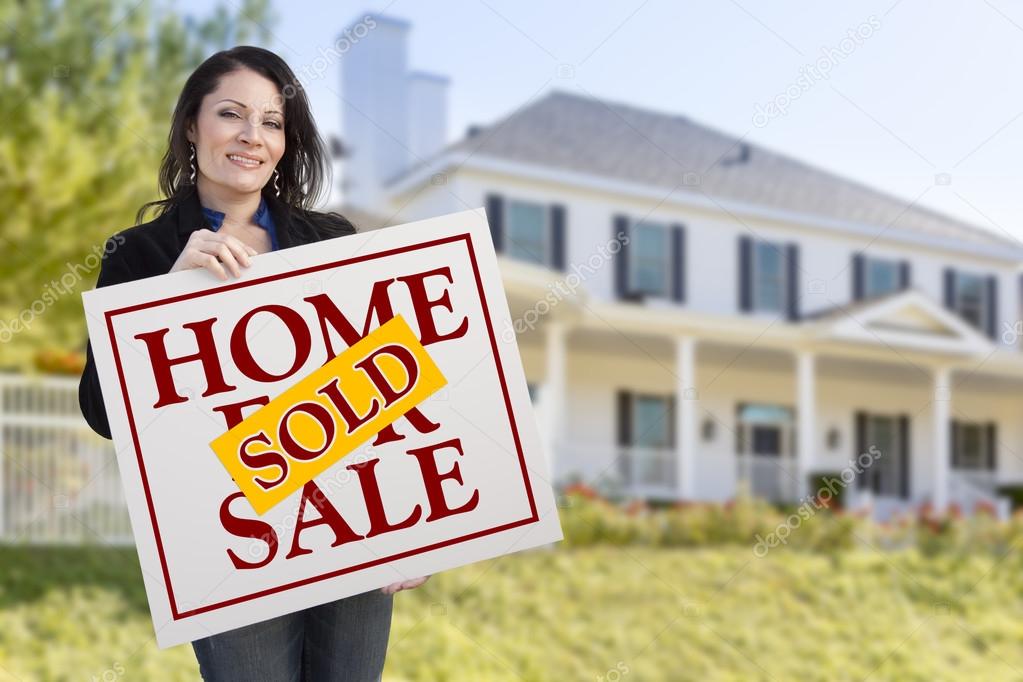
{"points": [[578, 613], [589, 520], [88, 89]]}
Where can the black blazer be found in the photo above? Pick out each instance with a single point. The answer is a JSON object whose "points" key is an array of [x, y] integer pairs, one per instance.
{"points": [[151, 249]]}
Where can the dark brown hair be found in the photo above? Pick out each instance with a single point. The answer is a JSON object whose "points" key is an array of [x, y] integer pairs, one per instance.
{"points": [[305, 166]]}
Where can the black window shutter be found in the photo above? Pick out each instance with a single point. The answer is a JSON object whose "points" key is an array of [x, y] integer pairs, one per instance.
{"points": [[904, 275], [858, 271], [953, 443], [671, 420], [792, 252], [904, 450], [992, 306], [495, 216], [624, 417], [745, 274], [620, 233], [558, 237], [992, 446], [950, 288], [678, 263], [674, 473], [861, 446]]}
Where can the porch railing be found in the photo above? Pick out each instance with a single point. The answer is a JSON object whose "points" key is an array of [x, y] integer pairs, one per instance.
{"points": [[970, 489], [648, 471]]}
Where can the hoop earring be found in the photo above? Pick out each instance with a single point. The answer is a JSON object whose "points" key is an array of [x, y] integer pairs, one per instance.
{"points": [[191, 163], [277, 188]]}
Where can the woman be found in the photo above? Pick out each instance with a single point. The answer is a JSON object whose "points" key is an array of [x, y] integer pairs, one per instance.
{"points": [[244, 166]]}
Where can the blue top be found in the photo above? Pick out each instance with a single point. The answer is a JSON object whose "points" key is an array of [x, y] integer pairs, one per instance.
{"points": [[262, 217]]}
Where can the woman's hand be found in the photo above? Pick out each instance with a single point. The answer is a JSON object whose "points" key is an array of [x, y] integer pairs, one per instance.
{"points": [[214, 251], [404, 585]]}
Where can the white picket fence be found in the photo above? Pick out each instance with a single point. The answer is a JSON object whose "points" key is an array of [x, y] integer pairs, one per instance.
{"points": [[59, 481]]}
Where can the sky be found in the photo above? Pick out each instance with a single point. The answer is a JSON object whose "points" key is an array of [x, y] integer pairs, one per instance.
{"points": [[919, 98]]}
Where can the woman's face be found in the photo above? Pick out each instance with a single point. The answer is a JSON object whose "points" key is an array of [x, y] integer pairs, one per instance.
{"points": [[243, 117]]}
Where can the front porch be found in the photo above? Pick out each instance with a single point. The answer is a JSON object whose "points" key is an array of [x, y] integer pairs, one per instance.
{"points": [[666, 404]]}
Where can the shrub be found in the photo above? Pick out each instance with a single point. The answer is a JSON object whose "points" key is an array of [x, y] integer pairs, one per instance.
{"points": [[589, 519]]}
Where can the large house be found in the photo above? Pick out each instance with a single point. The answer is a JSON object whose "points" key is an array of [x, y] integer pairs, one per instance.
{"points": [[697, 314]]}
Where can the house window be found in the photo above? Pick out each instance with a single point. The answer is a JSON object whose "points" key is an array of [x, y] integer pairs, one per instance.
{"points": [[645, 433], [970, 298], [651, 260], [650, 422], [527, 231], [971, 447], [768, 277], [880, 276]]}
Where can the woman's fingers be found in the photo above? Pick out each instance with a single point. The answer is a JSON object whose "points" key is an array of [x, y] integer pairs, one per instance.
{"points": [[210, 262], [218, 253], [231, 252], [404, 585]]}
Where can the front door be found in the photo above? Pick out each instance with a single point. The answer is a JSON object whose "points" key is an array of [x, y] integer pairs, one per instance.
{"points": [[883, 451], [765, 452]]}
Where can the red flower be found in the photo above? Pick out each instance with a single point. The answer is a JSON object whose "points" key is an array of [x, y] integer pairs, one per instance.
{"points": [[985, 507], [635, 507], [582, 490]]}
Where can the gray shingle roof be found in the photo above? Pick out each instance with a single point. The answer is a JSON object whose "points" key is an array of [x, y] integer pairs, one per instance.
{"points": [[563, 130]]}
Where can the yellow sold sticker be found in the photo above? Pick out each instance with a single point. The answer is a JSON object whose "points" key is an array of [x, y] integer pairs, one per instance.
{"points": [[325, 416]]}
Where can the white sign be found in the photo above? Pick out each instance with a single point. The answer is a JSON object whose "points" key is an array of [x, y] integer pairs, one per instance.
{"points": [[183, 358]]}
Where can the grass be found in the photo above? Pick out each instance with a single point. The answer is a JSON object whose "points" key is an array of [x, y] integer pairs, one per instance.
{"points": [[604, 613]]}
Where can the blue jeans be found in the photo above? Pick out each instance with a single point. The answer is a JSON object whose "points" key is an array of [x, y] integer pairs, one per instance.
{"points": [[340, 640]]}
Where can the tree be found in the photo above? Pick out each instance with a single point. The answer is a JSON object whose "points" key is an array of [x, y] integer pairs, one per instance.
{"points": [[88, 88]]}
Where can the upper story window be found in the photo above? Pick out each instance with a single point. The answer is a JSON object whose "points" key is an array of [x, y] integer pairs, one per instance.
{"points": [[974, 297], [768, 277], [873, 276], [881, 277], [651, 259], [529, 231], [969, 299]]}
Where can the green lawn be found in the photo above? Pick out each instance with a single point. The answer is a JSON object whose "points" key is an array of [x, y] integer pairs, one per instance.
{"points": [[601, 613]]}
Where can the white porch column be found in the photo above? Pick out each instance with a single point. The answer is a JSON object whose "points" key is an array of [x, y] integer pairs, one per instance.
{"points": [[553, 394], [806, 420], [941, 402], [685, 415]]}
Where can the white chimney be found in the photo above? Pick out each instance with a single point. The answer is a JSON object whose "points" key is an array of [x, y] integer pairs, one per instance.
{"points": [[391, 118], [374, 108], [428, 108]]}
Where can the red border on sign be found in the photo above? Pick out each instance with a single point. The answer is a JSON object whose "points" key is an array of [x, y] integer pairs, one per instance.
{"points": [[178, 615]]}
